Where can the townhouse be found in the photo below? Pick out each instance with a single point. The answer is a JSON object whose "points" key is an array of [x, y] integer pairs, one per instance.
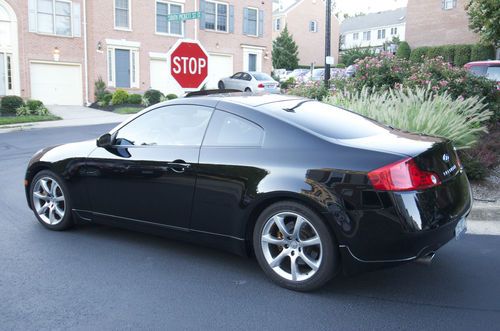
{"points": [[305, 20], [54, 50], [438, 22], [373, 30]]}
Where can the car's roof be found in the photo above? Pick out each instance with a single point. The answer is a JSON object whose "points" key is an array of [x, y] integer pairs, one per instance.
{"points": [[253, 100], [483, 63]]}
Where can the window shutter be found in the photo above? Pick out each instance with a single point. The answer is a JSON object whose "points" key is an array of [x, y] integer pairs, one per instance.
{"points": [[245, 21], [202, 18], [261, 23], [443, 4], [231, 19], [77, 21], [32, 15]]}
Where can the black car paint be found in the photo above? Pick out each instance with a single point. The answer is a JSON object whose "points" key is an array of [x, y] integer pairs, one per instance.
{"points": [[216, 199]]}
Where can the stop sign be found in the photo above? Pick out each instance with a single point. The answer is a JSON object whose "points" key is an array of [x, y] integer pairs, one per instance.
{"points": [[188, 64]]}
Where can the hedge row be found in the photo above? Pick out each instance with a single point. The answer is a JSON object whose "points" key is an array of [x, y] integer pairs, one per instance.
{"points": [[455, 54]]}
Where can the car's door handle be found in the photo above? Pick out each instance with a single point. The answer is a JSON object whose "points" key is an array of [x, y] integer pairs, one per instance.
{"points": [[178, 166]]}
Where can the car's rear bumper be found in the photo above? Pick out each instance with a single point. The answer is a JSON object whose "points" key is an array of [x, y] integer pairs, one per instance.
{"points": [[410, 226]]}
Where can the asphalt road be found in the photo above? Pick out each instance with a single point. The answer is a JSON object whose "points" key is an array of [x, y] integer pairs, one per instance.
{"points": [[95, 277]]}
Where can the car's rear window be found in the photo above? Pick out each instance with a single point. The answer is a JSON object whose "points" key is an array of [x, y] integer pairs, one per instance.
{"points": [[261, 76], [326, 120]]}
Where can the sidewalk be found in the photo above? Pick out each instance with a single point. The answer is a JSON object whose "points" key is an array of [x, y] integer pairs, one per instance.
{"points": [[71, 116]]}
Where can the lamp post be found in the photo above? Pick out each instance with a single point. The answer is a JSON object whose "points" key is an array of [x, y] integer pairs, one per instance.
{"points": [[328, 30]]}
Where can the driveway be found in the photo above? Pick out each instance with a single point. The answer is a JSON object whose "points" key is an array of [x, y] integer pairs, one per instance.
{"points": [[71, 116]]}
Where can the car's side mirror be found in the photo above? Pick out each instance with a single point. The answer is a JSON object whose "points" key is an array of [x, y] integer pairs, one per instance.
{"points": [[104, 141]]}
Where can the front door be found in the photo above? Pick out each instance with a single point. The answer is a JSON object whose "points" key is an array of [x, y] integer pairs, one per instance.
{"points": [[252, 62], [149, 174], [122, 67]]}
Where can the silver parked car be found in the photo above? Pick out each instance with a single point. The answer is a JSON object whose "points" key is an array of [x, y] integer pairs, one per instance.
{"points": [[250, 81]]}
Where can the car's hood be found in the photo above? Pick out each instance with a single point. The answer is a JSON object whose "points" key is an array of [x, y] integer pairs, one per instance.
{"points": [[60, 152]]}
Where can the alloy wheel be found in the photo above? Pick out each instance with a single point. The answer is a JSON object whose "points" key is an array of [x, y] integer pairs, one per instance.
{"points": [[291, 246], [48, 200]]}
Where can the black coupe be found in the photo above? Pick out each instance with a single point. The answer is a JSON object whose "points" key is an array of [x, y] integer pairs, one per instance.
{"points": [[308, 188]]}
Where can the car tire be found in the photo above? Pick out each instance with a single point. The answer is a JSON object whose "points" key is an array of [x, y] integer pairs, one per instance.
{"points": [[312, 241], [248, 89], [221, 85], [50, 201]]}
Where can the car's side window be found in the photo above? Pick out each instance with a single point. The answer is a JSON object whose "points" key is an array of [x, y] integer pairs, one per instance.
{"points": [[237, 75], [247, 77], [177, 125], [228, 130]]}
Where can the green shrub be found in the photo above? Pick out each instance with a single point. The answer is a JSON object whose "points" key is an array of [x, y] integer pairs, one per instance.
{"points": [[316, 91], [481, 52], [106, 100], [448, 53], [288, 83], [152, 97], [421, 110], [119, 97], [433, 52], [462, 55], [134, 99], [100, 89], [350, 56], [10, 103], [39, 110], [23, 111], [418, 54], [34, 104], [171, 96], [404, 50], [339, 65]]}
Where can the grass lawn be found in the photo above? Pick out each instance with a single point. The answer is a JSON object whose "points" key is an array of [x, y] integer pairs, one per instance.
{"points": [[27, 119], [127, 110]]}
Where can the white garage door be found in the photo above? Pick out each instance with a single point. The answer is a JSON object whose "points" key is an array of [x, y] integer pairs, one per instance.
{"points": [[161, 80], [56, 84], [219, 66]]}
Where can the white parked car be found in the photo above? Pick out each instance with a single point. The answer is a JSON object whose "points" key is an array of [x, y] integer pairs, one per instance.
{"points": [[250, 81], [295, 74]]}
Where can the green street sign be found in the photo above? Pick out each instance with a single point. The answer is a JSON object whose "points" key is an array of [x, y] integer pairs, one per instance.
{"points": [[194, 15]]}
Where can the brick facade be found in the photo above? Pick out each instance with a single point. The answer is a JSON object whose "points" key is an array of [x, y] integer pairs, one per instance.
{"points": [[429, 24]]}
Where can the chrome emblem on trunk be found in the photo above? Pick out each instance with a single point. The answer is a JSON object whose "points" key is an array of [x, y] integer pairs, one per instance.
{"points": [[446, 157]]}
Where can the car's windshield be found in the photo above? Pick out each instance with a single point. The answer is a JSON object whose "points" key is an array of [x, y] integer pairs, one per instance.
{"points": [[318, 72], [261, 76], [493, 73]]}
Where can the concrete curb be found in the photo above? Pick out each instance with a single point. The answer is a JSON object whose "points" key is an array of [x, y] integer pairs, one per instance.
{"points": [[481, 212]]}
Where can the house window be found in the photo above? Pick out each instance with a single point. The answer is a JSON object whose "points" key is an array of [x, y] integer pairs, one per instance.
{"points": [[163, 25], [313, 26], [123, 67], [251, 21], [277, 24], [381, 34], [122, 14], [394, 31], [54, 17], [9, 72], [355, 36], [367, 35], [216, 16], [449, 4]]}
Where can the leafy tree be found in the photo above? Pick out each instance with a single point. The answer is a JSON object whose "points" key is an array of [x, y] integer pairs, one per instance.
{"points": [[404, 50], [484, 18], [285, 51]]}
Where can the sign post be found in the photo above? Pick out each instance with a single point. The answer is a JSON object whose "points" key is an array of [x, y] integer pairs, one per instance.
{"points": [[188, 64]]}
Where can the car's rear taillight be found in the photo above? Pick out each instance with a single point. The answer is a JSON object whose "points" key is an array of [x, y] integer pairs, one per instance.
{"points": [[403, 175], [260, 85]]}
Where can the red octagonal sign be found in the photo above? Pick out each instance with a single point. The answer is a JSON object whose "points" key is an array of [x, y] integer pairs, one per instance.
{"points": [[188, 64]]}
